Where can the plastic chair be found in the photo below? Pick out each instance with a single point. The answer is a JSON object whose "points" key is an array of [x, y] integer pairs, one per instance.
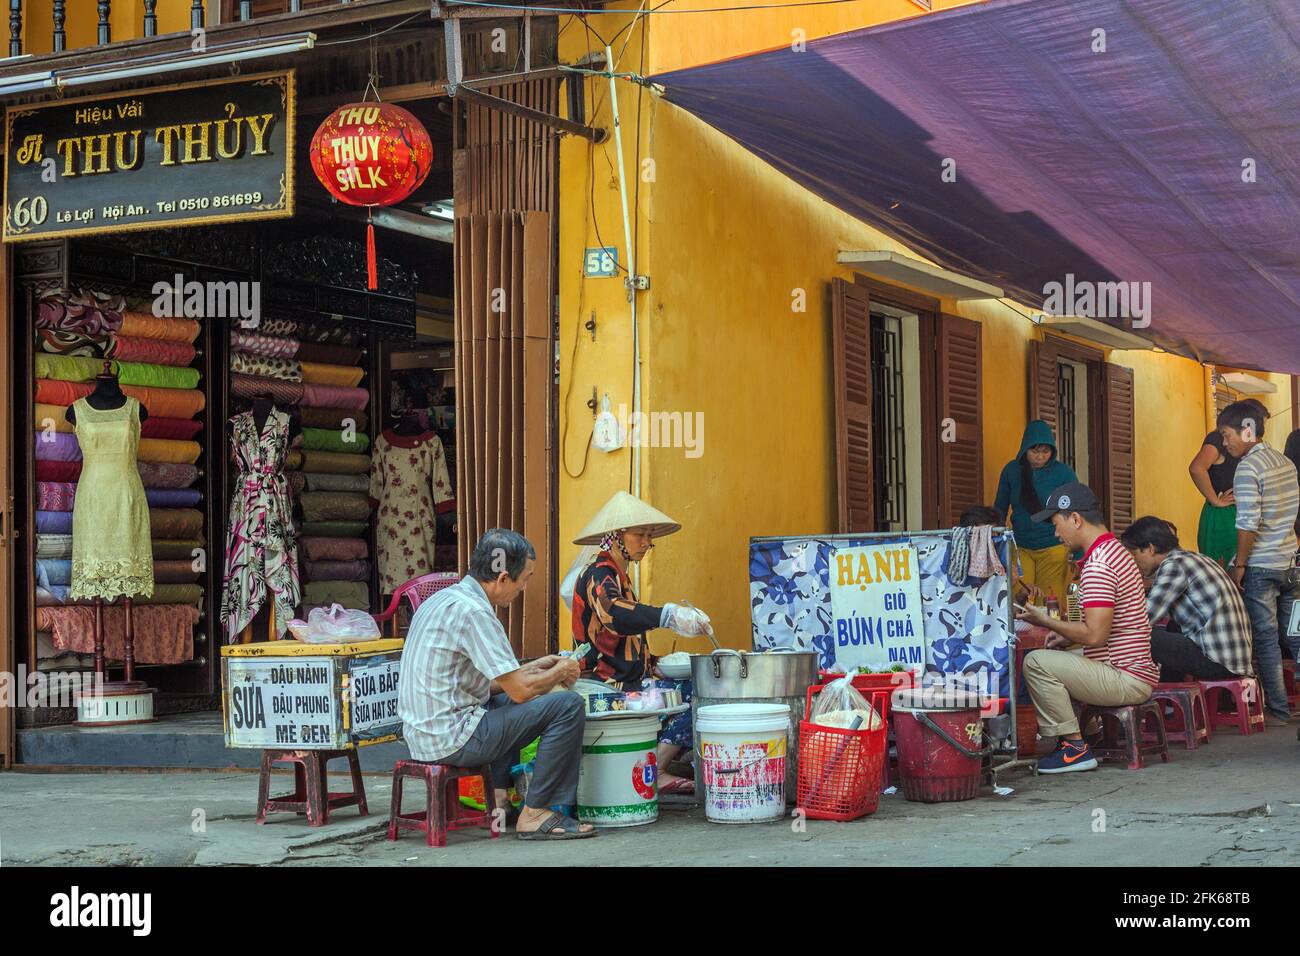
{"points": [[416, 591], [1247, 713], [441, 788], [1188, 702], [311, 792]]}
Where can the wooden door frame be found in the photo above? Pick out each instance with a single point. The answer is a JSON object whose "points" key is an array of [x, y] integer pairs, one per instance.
{"points": [[927, 310], [8, 653], [1094, 359]]}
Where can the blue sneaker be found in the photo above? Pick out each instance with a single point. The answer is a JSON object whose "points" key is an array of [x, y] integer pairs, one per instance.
{"points": [[1068, 757]]}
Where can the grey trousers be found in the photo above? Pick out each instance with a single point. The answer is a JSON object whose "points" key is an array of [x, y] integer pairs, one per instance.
{"points": [[508, 727]]}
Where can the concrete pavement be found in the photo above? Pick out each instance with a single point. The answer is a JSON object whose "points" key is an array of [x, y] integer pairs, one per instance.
{"points": [[1233, 803]]}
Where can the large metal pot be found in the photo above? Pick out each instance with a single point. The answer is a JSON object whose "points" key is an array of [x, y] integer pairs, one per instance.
{"points": [[779, 676]]}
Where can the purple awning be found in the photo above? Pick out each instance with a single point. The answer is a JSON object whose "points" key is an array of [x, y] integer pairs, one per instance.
{"points": [[1125, 165]]}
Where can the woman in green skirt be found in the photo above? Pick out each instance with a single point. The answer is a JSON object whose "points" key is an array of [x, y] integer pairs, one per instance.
{"points": [[1212, 471]]}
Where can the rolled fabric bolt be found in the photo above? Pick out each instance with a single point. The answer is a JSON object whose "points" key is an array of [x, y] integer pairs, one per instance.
{"points": [[347, 442], [145, 326], [333, 418], [317, 373]]}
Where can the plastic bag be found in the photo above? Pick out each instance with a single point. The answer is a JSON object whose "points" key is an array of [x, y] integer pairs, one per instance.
{"points": [[334, 625], [839, 704]]}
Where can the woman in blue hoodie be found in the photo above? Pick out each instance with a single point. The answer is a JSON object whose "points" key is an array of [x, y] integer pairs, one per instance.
{"points": [[1023, 487]]}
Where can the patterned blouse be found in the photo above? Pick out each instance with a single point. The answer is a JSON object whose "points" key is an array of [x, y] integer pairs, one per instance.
{"points": [[606, 614]]}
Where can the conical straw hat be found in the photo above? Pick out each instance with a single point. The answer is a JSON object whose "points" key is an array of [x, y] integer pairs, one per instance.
{"points": [[626, 511]]}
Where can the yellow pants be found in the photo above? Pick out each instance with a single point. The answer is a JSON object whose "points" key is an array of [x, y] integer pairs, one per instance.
{"points": [[1049, 568]]}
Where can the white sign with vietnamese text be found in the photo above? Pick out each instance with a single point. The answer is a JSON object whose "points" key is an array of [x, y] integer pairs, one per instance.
{"points": [[876, 607], [374, 696], [288, 703]]}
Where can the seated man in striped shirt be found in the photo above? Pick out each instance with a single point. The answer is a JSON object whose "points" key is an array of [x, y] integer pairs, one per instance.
{"points": [[1268, 497], [1196, 594], [1114, 667], [465, 701]]}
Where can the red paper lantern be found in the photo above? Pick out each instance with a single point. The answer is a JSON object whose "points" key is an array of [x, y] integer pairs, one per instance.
{"points": [[371, 154]]}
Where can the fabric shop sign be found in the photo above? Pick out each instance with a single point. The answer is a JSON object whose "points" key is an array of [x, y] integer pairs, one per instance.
{"points": [[876, 618], [184, 155]]}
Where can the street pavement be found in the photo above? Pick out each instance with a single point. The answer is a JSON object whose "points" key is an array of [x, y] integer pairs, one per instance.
{"points": [[1233, 803]]}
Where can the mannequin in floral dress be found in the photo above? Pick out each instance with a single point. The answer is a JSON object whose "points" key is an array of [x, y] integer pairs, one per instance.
{"points": [[261, 551], [410, 485]]}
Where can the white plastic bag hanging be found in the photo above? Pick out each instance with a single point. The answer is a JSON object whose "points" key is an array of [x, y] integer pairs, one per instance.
{"points": [[606, 432]]}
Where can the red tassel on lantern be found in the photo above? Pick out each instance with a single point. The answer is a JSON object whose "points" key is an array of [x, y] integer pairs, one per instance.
{"points": [[372, 267]]}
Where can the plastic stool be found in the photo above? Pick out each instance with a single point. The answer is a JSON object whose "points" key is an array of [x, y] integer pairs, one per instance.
{"points": [[311, 794], [1130, 719], [441, 790], [1247, 714], [1193, 727]]}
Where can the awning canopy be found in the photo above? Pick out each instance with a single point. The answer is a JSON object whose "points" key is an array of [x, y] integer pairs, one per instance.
{"points": [[1134, 141]]}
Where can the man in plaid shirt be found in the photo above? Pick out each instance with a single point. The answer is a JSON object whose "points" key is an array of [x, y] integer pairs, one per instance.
{"points": [[1197, 595]]}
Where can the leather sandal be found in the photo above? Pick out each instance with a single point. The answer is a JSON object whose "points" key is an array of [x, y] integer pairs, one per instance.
{"points": [[557, 827]]}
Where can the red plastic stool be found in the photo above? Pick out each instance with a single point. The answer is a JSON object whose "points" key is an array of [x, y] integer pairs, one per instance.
{"points": [[441, 791], [311, 794], [1288, 678], [1247, 714], [1193, 727], [1130, 719]]}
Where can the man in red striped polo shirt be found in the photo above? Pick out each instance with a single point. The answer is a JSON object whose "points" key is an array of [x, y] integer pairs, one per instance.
{"points": [[1106, 660]]}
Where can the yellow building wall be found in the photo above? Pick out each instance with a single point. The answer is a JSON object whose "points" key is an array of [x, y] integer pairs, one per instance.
{"points": [[126, 21], [733, 250]]}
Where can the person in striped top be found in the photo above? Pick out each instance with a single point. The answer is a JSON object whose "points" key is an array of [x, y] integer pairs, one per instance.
{"points": [[1106, 659], [1268, 497]]}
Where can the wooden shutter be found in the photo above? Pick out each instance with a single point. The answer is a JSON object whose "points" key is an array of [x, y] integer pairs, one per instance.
{"points": [[1044, 376], [1118, 422], [504, 183], [959, 379], [8, 539], [851, 342], [503, 386]]}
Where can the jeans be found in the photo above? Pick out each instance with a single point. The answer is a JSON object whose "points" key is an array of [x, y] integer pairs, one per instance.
{"points": [[1269, 596]]}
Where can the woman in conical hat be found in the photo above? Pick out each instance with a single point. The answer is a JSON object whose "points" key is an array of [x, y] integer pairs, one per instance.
{"points": [[607, 615]]}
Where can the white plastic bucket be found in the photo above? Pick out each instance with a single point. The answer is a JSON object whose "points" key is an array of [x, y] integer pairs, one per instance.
{"points": [[743, 756], [618, 777]]}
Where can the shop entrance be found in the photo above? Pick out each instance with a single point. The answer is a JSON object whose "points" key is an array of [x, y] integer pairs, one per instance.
{"points": [[452, 353]]}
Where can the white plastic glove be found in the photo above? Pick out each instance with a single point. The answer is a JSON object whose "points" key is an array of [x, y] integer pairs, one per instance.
{"points": [[685, 620]]}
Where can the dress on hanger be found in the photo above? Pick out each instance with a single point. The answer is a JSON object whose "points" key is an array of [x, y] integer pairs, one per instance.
{"points": [[409, 479], [261, 553], [112, 555]]}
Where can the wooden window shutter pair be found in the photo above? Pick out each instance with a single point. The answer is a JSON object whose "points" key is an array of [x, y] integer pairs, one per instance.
{"points": [[952, 415]]}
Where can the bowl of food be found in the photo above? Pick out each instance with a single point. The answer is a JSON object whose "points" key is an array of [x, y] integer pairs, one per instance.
{"points": [[676, 666]]}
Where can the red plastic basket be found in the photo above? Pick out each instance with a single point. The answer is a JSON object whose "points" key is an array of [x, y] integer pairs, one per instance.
{"points": [[894, 680], [839, 769]]}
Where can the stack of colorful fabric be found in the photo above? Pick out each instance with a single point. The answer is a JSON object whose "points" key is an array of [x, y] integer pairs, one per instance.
{"points": [[76, 333], [317, 367]]}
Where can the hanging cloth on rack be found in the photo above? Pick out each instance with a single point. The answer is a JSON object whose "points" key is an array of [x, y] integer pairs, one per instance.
{"points": [[261, 552]]}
